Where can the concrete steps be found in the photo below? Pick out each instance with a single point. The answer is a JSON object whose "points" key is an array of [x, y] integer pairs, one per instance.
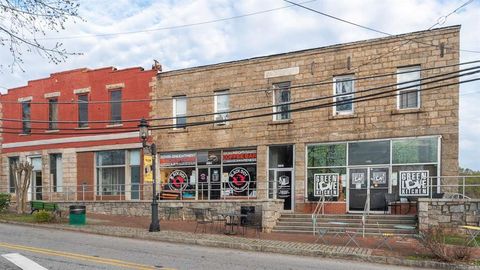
{"points": [[375, 224]]}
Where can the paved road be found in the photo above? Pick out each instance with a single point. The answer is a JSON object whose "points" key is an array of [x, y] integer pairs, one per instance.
{"points": [[70, 250]]}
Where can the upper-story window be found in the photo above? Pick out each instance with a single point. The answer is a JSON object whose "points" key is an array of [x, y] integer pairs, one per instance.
{"points": [[115, 107], [282, 99], [343, 91], [180, 111], [409, 96], [53, 113], [221, 109], [26, 124], [82, 110]]}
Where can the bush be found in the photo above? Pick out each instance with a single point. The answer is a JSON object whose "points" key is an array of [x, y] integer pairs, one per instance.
{"points": [[43, 216], [434, 241], [4, 201]]}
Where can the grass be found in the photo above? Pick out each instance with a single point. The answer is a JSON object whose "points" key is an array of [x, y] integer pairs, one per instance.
{"points": [[26, 218], [459, 240]]}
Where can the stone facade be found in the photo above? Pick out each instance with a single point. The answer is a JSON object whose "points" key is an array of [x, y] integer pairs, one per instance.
{"points": [[375, 119], [447, 213], [271, 209]]}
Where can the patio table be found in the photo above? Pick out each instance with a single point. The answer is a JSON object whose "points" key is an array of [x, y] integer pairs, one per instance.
{"points": [[337, 231], [233, 219], [172, 210]]}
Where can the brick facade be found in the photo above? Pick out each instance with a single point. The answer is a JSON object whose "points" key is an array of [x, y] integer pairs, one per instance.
{"points": [[376, 119]]}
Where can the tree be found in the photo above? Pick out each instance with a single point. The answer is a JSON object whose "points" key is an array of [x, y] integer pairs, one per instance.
{"points": [[23, 21], [22, 172]]}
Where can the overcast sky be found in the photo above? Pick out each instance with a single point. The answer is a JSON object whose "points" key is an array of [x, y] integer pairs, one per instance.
{"points": [[277, 31]]}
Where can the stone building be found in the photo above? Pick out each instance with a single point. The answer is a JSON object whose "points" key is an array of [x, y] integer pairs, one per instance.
{"points": [[71, 127], [345, 149]]}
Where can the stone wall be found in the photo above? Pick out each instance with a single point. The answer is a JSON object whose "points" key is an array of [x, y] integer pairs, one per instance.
{"points": [[447, 212], [271, 209]]}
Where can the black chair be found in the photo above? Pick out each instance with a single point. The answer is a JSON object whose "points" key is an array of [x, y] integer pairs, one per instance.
{"points": [[437, 195], [217, 218], [253, 220], [202, 219], [390, 201]]}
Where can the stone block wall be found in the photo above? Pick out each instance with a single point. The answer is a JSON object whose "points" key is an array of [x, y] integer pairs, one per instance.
{"points": [[449, 213], [271, 209]]}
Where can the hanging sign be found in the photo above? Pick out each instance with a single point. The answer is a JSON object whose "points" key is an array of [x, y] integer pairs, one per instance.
{"points": [[177, 180], [325, 184], [147, 168], [414, 183], [239, 179]]}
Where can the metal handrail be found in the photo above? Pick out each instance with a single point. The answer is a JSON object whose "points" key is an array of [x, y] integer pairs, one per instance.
{"points": [[366, 212], [319, 207]]}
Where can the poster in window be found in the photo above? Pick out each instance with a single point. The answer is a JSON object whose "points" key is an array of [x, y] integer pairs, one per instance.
{"points": [[177, 180], [326, 184], [379, 178], [239, 179], [358, 178], [147, 168], [414, 183], [284, 189]]}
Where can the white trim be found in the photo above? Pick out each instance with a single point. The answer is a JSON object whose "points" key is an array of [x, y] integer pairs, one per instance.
{"points": [[81, 91], [24, 99], [407, 70], [73, 139], [281, 72], [115, 86], [349, 77], [51, 95]]}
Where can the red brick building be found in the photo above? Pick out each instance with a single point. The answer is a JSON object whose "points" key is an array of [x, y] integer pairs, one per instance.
{"points": [[77, 127]]}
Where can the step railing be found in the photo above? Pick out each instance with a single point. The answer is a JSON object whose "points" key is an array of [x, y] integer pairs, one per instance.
{"points": [[320, 207], [366, 211]]}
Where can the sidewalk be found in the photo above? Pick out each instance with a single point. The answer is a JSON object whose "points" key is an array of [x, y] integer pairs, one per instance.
{"points": [[181, 232]]}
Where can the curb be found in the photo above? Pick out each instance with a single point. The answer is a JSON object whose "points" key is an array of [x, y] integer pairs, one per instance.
{"points": [[262, 248]]}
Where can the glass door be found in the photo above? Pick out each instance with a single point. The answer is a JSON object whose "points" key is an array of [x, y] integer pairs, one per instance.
{"points": [[379, 181], [370, 181], [358, 188], [215, 183], [203, 183], [284, 188]]}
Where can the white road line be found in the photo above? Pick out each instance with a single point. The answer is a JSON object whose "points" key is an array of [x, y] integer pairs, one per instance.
{"points": [[23, 262]]}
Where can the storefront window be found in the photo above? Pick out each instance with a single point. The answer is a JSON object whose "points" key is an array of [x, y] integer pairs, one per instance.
{"points": [[178, 172], [311, 181], [111, 172], [327, 155], [418, 150], [281, 156], [367, 153], [431, 183], [240, 180]]}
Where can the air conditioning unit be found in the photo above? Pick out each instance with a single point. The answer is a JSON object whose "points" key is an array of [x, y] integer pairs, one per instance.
{"points": [[221, 117]]}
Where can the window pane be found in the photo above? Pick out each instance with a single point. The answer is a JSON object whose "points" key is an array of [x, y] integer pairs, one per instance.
{"points": [[408, 98], [181, 106], [344, 85], [134, 157], [282, 95], [281, 156], [52, 113], [311, 182], [115, 107], [26, 125], [222, 101], [364, 153], [112, 180], [421, 150], [83, 111], [327, 155], [115, 157], [11, 161]]}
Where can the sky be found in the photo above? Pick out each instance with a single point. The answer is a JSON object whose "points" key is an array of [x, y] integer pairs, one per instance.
{"points": [[286, 28]]}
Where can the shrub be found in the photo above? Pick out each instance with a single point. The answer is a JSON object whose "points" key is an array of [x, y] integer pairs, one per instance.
{"points": [[4, 201], [43, 216], [433, 240]]}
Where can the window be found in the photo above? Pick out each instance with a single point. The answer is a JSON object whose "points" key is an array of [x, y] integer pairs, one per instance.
{"points": [[115, 107], [26, 124], [82, 111], [221, 106], [343, 94], [111, 172], [419, 150], [11, 176], [56, 172], [409, 96], [135, 174], [327, 155], [180, 111], [53, 113], [282, 100], [366, 153]]}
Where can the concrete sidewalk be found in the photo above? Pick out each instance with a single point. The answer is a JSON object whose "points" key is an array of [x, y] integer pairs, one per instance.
{"points": [[250, 244]]}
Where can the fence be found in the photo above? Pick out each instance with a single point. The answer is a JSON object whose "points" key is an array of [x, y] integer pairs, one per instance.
{"points": [[455, 187]]}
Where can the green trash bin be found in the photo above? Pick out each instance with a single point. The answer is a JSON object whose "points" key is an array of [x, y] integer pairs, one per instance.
{"points": [[77, 215]]}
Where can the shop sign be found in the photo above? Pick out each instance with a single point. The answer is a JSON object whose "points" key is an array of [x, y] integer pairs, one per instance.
{"points": [[147, 168], [240, 156], [414, 183], [178, 159], [283, 187], [379, 178], [239, 179], [177, 180], [326, 184]]}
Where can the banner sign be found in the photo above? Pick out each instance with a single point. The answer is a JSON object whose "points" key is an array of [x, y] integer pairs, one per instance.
{"points": [[325, 184], [414, 183], [177, 180], [239, 179], [147, 168], [178, 159], [240, 156]]}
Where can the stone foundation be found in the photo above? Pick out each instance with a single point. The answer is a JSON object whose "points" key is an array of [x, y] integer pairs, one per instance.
{"points": [[271, 209]]}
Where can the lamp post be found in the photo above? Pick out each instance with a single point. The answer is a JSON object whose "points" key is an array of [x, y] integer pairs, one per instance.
{"points": [[143, 132]]}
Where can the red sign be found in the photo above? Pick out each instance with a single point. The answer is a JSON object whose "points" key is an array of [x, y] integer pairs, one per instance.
{"points": [[240, 156], [178, 159]]}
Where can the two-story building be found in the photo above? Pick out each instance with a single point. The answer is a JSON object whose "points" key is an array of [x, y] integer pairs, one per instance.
{"points": [[351, 122], [78, 129]]}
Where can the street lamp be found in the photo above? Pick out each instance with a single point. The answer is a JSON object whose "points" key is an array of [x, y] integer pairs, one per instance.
{"points": [[143, 132]]}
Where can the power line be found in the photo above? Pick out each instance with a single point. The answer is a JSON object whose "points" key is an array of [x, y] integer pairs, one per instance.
{"points": [[230, 93], [174, 26], [373, 29]]}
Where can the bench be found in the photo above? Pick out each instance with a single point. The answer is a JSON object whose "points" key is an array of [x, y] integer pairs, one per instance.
{"points": [[47, 206], [170, 195]]}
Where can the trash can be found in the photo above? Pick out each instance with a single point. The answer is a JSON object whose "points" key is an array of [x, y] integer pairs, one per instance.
{"points": [[77, 215]]}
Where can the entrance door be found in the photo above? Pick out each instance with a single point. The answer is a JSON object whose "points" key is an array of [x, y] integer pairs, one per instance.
{"points": [[369, 181], [281, 187], [209, 183], [37, 185]]}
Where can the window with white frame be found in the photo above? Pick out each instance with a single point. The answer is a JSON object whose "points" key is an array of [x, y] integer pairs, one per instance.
{"points": [[343, 91], [409, 94], [180, 111], [282, 98], [111, 172], [221, 101]]}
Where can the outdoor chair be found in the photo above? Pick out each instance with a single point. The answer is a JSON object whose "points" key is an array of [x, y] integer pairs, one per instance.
{"points": [[352, 236], [253, 220], [217, 218], [202, 219], [321, 235], [390, 201]]}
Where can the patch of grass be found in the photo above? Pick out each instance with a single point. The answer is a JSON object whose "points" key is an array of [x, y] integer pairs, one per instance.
{"points": [[26, 218], [420, 257], [459, 240]]}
